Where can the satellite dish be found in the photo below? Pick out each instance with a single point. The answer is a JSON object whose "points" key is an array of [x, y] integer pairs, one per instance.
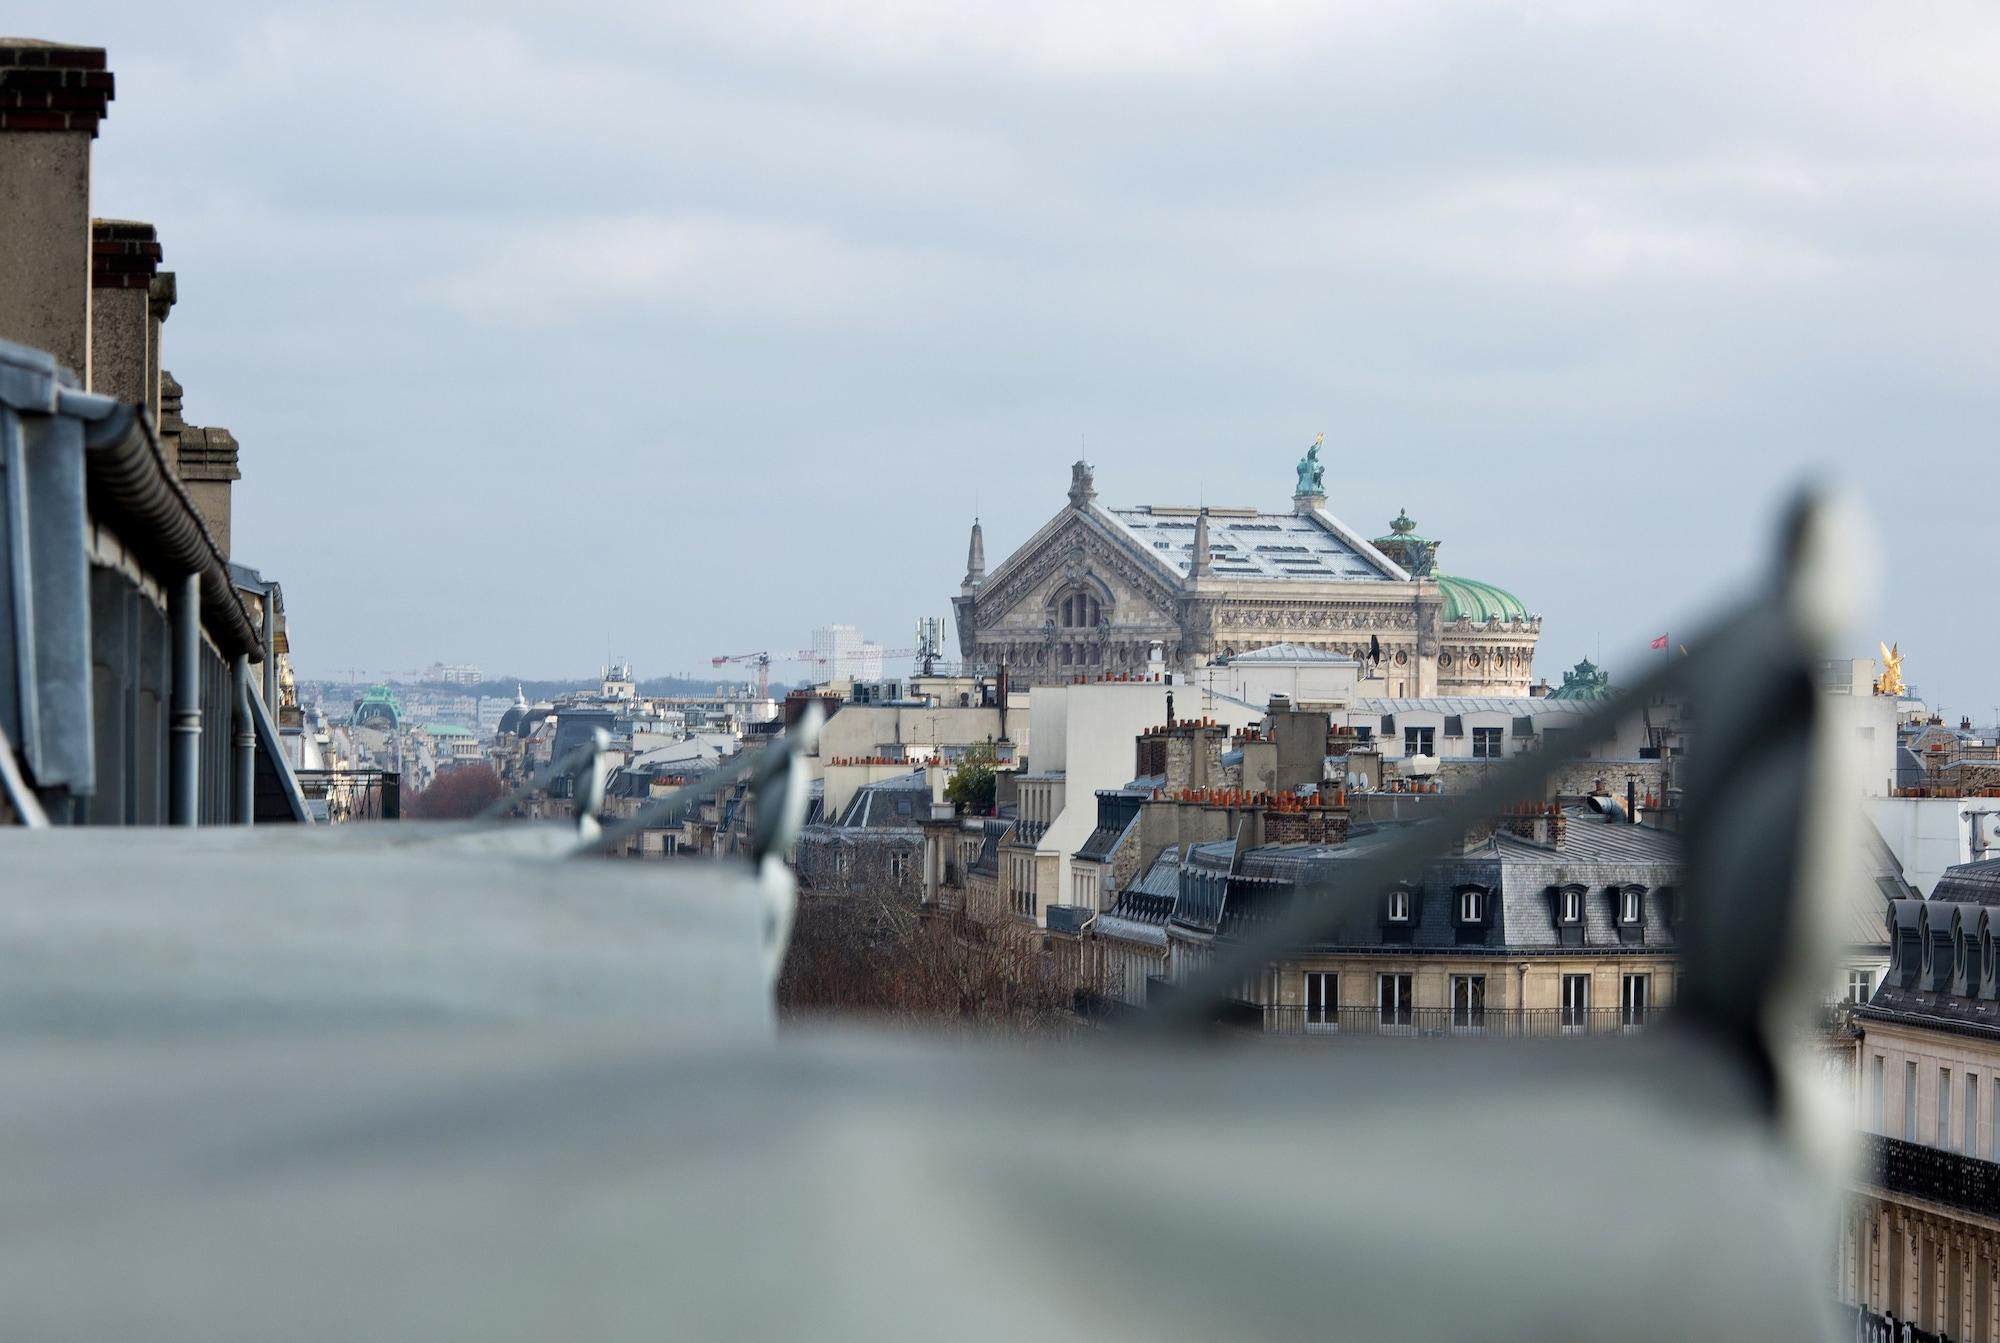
{"points": [[1420, 765]]}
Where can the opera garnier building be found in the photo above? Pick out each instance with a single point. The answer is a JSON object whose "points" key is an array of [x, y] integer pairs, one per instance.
{"points": [[1093, 591]]}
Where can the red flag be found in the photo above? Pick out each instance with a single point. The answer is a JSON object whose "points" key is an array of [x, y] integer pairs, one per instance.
{"points": [[1660, 642]]}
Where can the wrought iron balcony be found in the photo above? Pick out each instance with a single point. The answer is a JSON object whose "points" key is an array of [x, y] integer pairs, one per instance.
{"points": [[1492, 1022], [1932, 1174]]}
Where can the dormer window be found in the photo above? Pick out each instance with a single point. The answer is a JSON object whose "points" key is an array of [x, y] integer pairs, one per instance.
{"points": [[1399, 906], [1629, 904], [1471, 906], [1572, 905]]}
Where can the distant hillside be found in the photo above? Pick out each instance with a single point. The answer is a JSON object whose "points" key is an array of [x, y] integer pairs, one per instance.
{"points": [[503, 687]]}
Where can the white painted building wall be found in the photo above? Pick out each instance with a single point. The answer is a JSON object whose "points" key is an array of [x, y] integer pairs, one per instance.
{"points": [[1557, 715], [1930, 834], [1310, 683], [1088, 734], [1867, 719]]}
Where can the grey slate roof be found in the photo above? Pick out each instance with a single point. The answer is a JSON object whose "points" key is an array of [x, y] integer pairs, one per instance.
{"points": [[1943, 967], [993, 832], [1978, 883], [901, 803], [1519, 878], [1244, 544]]}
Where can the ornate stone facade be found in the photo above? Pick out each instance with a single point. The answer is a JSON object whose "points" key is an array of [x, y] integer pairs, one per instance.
{"points": [[1096, 588]]}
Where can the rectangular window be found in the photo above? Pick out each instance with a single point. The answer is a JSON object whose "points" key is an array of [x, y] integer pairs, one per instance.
{"points": [[1909, 1133], [1454, 725], [1486, 743], [1468, 1002], [1968, 1139], [1878, 1119], [1944, 1110], [1393, 998], [1635, 997], [1419, 741], [1399, 906], [1860, 985], [1572, 906], [1470, 907], [1629, 906], [1322, 1000], [1388, 725], [1576, 1004]]}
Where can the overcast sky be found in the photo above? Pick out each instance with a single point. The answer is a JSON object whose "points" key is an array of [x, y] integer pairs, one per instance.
{"points": [[553, 330]]}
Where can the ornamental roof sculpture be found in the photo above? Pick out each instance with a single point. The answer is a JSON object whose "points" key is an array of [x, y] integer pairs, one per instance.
{"points": [[1312, 471]]}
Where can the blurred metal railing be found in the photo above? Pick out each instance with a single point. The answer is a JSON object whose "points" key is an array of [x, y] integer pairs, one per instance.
{"points": [[1931, 1173], [1760, 817], [353, 794]]}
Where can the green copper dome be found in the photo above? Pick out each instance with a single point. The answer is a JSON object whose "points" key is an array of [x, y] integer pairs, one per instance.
{"points": [[1416, 555], [1402, 530], [1584, 681], [1478, 602]]}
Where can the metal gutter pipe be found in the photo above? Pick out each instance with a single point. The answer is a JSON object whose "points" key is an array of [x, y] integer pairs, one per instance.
{"points": [[243, 785], [185, 747]]}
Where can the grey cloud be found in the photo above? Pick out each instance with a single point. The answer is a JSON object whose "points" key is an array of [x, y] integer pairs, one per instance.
{"points": [[510, 307]]}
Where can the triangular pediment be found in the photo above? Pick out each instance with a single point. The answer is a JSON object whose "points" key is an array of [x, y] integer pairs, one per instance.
{"points": [[1077, 544]]}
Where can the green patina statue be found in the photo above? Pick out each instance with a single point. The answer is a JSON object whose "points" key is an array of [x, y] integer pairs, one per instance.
{"points": [[1311, 470]]}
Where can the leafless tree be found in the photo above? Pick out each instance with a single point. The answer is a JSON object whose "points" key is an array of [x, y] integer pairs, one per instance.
{"points": [[458, 794], [868, 945]]}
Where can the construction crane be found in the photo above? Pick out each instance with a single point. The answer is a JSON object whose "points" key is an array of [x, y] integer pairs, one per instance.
{"points": [[763, 661], [928, 653]]}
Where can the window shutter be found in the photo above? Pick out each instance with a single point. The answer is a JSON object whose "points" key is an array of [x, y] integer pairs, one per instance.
{"points": [[1524, 726], [1388, 725], [1454, 725]]}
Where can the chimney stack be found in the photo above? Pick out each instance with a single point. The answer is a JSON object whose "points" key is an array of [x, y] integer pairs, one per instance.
{"points": [[160, 298], [51, 98], [169, 422], [205, 459], [124, 261]]}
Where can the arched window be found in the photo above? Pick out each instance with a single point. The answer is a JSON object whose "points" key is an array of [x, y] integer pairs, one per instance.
{"points": [[1080, 611]]}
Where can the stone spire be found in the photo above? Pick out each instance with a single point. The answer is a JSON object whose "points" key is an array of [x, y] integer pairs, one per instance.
{"points": [[975, 557], [1199, 567]]}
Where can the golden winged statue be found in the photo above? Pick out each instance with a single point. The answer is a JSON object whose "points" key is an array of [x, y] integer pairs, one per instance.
{"points": [[1890, 682]]}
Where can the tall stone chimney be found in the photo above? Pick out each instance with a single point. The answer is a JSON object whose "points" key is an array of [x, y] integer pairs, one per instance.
{"points": [[1198, 564], [160, 296], [124, 259], [206, 462], [51, 98], [170, 424]]}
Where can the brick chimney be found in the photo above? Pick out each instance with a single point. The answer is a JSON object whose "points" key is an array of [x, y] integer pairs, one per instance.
{"points": [[206, 462], [124, 261], [51, 98]]}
